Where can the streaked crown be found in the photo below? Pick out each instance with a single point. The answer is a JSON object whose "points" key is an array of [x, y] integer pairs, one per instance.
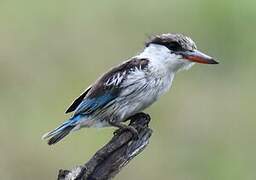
{"points": [[174, 42]]}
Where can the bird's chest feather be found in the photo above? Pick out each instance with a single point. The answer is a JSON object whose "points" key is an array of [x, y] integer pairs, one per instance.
{"points": [[160, 80], [141, 90]]}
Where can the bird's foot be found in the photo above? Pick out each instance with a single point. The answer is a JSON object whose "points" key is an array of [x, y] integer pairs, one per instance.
{"points": [[135, 134]]}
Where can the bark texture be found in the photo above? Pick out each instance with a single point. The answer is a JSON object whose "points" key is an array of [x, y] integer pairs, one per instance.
{"points": [[111, 158]]}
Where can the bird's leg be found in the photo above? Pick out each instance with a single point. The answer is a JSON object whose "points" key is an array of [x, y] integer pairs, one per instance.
{"points": [[123, 127], [137, 116]]}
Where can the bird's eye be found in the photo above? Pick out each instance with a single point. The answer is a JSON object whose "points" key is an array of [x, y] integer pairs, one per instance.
{"points": [[174, 46]]}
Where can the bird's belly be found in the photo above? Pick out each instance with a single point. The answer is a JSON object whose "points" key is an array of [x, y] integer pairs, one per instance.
{"points": [[135, 105], [123, 108], [138, 101]]}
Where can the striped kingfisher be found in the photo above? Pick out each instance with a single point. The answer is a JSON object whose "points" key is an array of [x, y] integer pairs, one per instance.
{"points": [[132, 86]]}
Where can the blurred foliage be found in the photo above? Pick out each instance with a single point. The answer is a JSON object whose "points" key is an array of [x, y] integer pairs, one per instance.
{"points": [[204, 128]]}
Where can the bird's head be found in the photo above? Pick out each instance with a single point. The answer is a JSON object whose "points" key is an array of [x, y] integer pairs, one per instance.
{"points": [[178, 51]]}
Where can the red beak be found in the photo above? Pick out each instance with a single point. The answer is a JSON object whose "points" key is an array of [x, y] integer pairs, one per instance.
{"points": [[198, 57]]}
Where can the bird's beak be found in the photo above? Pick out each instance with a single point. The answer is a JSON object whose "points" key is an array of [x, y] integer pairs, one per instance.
{"points": [[198, 57]]}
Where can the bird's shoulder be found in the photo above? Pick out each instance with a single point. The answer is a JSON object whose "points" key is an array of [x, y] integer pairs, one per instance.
{"points": [[108, 85], [116, 75]]}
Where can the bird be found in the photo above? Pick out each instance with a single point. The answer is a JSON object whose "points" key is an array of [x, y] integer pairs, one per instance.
{"points": [[131, 86]]}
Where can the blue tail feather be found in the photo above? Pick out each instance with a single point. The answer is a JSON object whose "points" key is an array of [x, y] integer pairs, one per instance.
{"points": [[63, 130]]}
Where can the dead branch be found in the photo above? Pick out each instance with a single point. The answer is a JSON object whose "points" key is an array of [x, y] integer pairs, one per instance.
{"points": [[117, 153]]}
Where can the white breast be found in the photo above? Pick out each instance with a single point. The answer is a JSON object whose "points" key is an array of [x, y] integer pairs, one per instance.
{"points": [[141, 89], [160, 71]]}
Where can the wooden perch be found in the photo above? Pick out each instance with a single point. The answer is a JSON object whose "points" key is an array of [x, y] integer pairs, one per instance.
{"points": [[117, 153]]}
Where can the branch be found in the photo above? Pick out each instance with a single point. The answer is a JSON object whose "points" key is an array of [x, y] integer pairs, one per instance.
{"points": [[117, 153]]}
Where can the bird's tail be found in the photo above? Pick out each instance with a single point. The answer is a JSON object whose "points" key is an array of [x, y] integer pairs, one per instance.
{"points": [[60, 132]]}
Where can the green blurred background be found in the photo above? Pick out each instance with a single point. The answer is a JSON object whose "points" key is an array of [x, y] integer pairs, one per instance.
{"points": [[204, 128]]}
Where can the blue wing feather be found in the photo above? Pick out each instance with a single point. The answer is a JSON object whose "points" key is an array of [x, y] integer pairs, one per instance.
{"points": [[77, 101], [89, 105]]}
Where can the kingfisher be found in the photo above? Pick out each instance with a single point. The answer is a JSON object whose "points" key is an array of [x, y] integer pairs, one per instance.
{"points": [[131, 86]]}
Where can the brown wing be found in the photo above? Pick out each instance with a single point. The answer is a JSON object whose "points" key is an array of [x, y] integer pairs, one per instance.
{"points": [[108, 84]]}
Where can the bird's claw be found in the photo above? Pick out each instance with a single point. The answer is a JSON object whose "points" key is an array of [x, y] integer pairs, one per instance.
{"points": [[135, 134]]}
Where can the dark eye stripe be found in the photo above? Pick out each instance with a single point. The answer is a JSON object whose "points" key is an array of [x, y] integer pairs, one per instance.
{"points": [[173, 46]]}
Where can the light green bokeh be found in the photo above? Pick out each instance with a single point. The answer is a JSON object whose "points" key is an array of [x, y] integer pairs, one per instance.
{"points": [[204, 128]]}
